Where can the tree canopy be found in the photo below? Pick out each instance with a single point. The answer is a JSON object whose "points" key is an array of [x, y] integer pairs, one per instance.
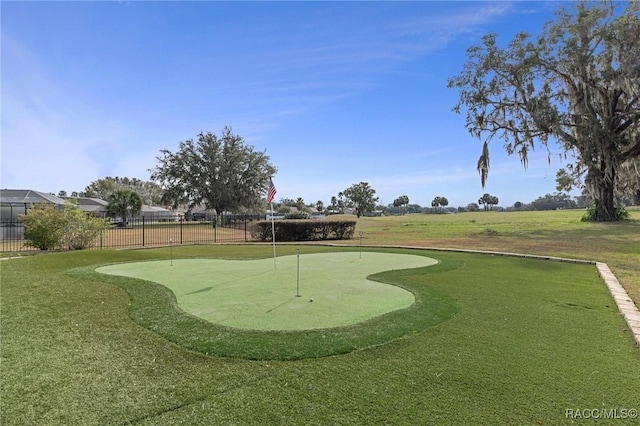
{"points": [[559, 200], [222, 173], [150, 192], [362, 197], [577, 84]]}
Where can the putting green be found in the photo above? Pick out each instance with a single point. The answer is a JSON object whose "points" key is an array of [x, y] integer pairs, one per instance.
{"points": [[253, 294]]}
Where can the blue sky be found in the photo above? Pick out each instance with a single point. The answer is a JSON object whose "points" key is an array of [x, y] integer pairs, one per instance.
{"points": [[335, 92]]}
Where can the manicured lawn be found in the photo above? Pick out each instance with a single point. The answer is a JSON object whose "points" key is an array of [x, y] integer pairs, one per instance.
{"points": [[548, 233], [521, 341]]}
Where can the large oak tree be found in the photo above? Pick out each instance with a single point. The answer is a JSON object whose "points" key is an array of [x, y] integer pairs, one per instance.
{"points": [[577, 84], [222, 173]]}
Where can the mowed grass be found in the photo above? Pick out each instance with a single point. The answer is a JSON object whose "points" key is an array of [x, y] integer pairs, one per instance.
{"points": [[532, 339], [547, 233]]}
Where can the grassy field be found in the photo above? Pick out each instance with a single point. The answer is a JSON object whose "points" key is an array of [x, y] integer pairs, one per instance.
{"points": [[523, 342]]}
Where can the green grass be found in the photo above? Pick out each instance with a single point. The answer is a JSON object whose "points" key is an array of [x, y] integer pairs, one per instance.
{"points": [[548, 233], [309, 291], [531, 339]]}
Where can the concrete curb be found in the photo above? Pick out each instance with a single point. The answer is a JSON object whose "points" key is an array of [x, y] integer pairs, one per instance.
{"points": [[627, 308]]}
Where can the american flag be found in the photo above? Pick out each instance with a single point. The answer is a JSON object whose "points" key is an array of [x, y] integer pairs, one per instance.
{"points": [[272, 191]]}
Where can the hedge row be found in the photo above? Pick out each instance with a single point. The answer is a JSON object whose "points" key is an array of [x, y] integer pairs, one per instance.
{"points": [[305, 230]]}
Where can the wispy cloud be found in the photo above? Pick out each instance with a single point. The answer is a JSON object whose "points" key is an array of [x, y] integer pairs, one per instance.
{"points": [[344, 58], [161, 81]]}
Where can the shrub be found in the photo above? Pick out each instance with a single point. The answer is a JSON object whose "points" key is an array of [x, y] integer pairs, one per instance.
{"points": [[620, 213], [297, 215], [304, 230], [79, 230], [47, 228], [43, 227]]}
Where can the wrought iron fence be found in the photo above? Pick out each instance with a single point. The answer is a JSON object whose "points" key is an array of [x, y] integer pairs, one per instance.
{"points": [[149, 231]]}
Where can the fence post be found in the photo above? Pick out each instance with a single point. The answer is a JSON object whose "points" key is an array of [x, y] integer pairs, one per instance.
{"points": [[245, 228], [181, 220], [142, 231]]}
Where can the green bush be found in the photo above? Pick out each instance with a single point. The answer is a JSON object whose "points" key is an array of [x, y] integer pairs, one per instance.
{"points": [[620, 213], [304, 230], [43, 227], [297, 215], [47, 228], [80, 230]]}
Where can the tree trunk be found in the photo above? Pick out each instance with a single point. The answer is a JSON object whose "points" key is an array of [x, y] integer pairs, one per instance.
{"points": [[601, 184], [605, 208]]}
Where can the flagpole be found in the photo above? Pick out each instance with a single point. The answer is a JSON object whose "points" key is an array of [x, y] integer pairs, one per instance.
{"points": [[273, 235], [270, 196]]}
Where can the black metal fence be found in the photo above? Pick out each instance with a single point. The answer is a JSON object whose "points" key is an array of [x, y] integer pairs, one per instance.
{"points": [[150, 231]]}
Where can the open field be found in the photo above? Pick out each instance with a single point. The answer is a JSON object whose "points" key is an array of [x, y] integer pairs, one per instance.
{"points": [[521, 341]]}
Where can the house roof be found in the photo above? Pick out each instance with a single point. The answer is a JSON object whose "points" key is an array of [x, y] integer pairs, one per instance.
{"points": [[87, 204], [86, 201], [154, 209], [27, 196]]}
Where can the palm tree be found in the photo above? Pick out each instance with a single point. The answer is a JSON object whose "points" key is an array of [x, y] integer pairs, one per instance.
{"points": [[124, 203], [488, 200], [435, 203]]}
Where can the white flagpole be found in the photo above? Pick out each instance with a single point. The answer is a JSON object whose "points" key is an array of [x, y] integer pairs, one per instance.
{"points": [[273, 235]]}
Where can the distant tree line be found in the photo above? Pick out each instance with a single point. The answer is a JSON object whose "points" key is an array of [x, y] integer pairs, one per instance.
{"points": [[488, 202]]}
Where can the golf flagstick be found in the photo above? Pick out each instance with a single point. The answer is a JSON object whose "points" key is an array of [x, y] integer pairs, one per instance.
{"points": [[270, 196], [297, 272]]}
